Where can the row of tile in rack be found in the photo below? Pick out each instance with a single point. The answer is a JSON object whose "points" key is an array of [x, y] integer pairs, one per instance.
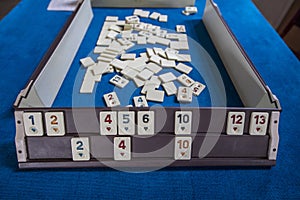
{"points": [[119, 36], [140, 123], [122, 148]]}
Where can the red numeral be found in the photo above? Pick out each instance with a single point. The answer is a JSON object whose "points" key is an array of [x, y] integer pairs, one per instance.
{"points": [[237, 119], [122, 145], [183, 144], [53, 120], [262, 119], [110, 97], [108, 119]]}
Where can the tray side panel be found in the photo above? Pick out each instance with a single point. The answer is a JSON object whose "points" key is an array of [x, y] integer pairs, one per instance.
{"points": [[47, 85], [143, 3], [246, 80]]}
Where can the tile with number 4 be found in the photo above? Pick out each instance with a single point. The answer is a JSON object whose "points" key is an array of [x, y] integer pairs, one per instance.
{"points": [[140, 101], [122, 148], [180, 28], [33, 124], [235, 123], [80, 149], [55, 125], [146, 122], [259, 123], [108, 123], [126, 123], [183, 122], [183, 148], [184, 95]]}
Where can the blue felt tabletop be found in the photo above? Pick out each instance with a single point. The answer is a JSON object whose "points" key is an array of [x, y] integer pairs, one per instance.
{"points": [[25, 35]]}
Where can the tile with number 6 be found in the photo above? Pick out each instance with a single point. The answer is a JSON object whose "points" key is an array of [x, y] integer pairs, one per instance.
{"points": [[146, 123]]}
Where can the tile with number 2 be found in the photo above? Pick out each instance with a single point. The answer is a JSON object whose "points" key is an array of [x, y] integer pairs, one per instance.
{"points": [[80, 149], [55, 125]]}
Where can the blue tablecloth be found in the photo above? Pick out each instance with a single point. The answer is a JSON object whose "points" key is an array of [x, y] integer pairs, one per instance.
{"points": [[25, 35]]}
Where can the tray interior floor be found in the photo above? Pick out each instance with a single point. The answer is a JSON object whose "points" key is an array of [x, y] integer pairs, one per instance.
{"points": [[207, 66]]}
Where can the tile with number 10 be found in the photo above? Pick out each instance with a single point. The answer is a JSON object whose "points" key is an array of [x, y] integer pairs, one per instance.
{"points": [[183, 148], [33, 124], [183, 122]]}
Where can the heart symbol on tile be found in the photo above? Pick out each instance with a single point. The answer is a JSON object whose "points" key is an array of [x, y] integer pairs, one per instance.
{"points": [[56, 130], [126, 128], [258, 129], [235, 128], [122, 154], [108, 128], [182, 128], [182, 153], [146, 128]]}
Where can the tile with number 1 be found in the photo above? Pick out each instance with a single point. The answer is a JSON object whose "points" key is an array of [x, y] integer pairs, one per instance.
{"points": [[33, 124]]}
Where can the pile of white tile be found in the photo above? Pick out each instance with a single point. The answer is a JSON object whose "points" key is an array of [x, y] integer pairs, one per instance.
{"points": [[118, 36]]}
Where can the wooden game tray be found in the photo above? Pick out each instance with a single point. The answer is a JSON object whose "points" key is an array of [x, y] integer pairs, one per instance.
{"points": [[211, 144]]}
